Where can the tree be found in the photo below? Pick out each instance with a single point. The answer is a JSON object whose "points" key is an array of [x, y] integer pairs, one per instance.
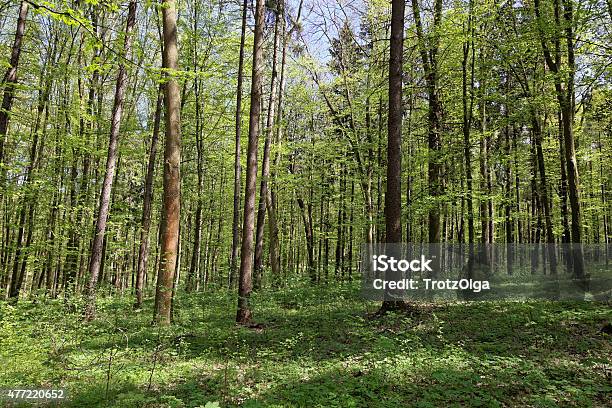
{"points": [[143, 253], [264, 187], [96, 259], [237, 166], [9, 81], [172, 163], [245, 283], [393, 195], [564, 87], [428, 49]]}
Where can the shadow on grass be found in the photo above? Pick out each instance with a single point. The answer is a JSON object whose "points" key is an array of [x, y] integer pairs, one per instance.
{"points": [[321, 349]]}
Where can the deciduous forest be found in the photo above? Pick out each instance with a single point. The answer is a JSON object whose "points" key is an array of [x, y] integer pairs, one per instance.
{"points": [[186, 188]]}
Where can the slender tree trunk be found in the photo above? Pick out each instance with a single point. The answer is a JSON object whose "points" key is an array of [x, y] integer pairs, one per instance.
{"points": [[271, 199], [603, 183], [566, 234], [9, 82], [517, 182], [550, 236], [567, 109], [428, 48], [77, 198], [145, 224], [265, 168], [484, 176], [308, 231], [197, 240], [237, 167], [350, 248], [245, 284], [111, 160], [467, 121], [172, 163], [29, 202], [339, 224], [565, 98]]}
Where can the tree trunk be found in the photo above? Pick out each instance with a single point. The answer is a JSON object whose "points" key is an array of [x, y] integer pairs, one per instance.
{"points": [[172, 177], [29, 202], [467, 122], [265, 169], [111, 160], [197, 239], [271, 199], [245, 284], [429, 55], [143, 252], [307, 220], [550, 236], [9, 82], [393, 196], [566, 234], [565, 98], [237, 167]]}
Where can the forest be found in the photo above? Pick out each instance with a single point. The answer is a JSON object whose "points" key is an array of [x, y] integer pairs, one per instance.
{"points": [[187, 188]]}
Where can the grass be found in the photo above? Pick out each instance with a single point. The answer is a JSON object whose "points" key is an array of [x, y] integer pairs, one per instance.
{"points": [[317, 347]]}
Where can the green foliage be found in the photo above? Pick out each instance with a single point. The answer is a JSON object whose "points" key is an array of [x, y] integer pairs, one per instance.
{"points": [[317, 347]]}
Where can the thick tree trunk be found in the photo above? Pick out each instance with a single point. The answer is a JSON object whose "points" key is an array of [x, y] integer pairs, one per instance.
{"points": [[237, 167], [245, 284], [172, 177], [393, 195], [95, 260]]}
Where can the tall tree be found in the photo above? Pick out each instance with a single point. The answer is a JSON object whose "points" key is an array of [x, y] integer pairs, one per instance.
{"points": [[393, 195], [428, 48], [143, 253], [172, 164], [28, 204], [245, 283], [564, 87], [265, 166], [96, 258], [237, 166], [467, 64]]}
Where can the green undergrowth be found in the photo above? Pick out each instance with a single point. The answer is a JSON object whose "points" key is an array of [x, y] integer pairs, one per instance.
{"points": [[313, 347]]}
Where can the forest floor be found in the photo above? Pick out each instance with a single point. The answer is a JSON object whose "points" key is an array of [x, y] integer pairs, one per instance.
{"points": [[315, 347]]}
